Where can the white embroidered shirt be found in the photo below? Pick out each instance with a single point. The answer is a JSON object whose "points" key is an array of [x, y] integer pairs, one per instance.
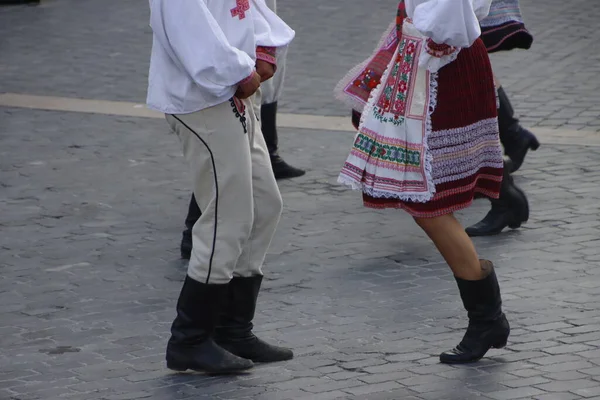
{"points": [[454, 23], [202, 49]]}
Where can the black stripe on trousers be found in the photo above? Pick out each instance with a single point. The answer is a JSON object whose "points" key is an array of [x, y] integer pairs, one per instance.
{"points": [[212, 159]]}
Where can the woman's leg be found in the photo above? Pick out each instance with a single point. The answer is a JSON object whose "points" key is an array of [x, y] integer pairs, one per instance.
{"points": [[478, 286], [454, 244]]}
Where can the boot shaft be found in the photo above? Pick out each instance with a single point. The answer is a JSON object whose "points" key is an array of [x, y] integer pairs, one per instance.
{"points": [[507, 122], [237, 315], [198, 310], [193, 214], [268, 119], [482, 298]]}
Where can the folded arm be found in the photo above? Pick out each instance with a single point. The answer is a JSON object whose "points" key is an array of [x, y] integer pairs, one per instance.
{"points": [[188, 31]]}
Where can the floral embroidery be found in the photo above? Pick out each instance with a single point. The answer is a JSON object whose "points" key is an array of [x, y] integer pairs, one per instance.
{"points": [[239, 109], [395, 92], [240, 9], [367, 80]]}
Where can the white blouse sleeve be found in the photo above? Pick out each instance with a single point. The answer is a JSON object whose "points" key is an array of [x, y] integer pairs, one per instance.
{"points": [[192, 36], [270, 30], [451, 22]]}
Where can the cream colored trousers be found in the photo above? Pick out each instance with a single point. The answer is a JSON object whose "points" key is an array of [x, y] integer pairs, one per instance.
{"points": [[234, 187]]}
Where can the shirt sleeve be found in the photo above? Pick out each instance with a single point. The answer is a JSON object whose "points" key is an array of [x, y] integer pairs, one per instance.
{"points": [[270, 30], [451, 22], [193, 38]]}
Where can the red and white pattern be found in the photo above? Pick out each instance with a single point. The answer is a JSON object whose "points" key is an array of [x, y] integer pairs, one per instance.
{"points": [[240, 9]]}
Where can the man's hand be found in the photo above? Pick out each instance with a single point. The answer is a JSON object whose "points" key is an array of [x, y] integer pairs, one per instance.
{"points": [[248, 87], [265, 70]]}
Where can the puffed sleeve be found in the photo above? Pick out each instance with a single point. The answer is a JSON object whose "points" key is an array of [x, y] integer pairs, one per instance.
{"points": [[269, 29], [191, 34], [451, 22]]}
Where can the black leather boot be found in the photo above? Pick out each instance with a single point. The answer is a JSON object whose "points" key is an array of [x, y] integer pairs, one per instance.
{"points": [[281, 169], [488, 327], [14, 2], [191, 345], [193, 215], [234, 332], [510, 209], [515, 139]]}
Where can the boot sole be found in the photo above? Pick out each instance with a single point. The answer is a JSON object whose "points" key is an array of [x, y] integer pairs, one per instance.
{"points": [[182, 368], [488, 233], [500, 344], [264, 361]]}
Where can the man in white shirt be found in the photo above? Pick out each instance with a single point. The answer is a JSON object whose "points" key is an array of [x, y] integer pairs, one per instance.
{"points": [[208, 60], [270, 92]]}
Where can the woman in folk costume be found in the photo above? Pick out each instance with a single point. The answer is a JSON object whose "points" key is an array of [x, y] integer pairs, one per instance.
{"points": [[427, 143], [503, 30]]}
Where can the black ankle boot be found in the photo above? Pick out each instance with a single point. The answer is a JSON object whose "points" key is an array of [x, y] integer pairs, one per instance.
{"points": [[488, 327], [191, 345], [193, 215], [234, 332], [515, 139], [281, 169], [510, 209], [15, 2]]}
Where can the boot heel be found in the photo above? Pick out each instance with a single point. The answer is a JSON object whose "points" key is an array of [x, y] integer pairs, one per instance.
{"points": [[176, 367], [534, 144], [515, 225], [500, 344]]}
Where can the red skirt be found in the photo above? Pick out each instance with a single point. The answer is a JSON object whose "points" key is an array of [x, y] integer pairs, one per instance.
{"points": [[464, 141], [508, 36]]}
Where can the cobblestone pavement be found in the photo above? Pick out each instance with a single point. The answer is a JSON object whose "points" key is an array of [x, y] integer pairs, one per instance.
{"points": [[92, 206]]}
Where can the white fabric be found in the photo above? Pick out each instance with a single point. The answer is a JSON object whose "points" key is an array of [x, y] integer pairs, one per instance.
{"points": [[201, 50], [451, 22], [403, 125], [239, 197], [272, 89]]}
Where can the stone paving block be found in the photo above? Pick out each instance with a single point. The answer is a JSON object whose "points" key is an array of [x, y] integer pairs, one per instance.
{"points": [[533, 381], [592, 392], [520, 393], [558, 396], [565, 386], [366, 390], [335, 394]]}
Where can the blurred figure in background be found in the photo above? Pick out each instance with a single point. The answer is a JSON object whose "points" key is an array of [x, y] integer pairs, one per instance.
{"points": [[14, 2], [503, 30]]}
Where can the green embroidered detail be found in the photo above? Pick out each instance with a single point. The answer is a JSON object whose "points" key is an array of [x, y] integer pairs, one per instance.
{"points": [[385, 152]]}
